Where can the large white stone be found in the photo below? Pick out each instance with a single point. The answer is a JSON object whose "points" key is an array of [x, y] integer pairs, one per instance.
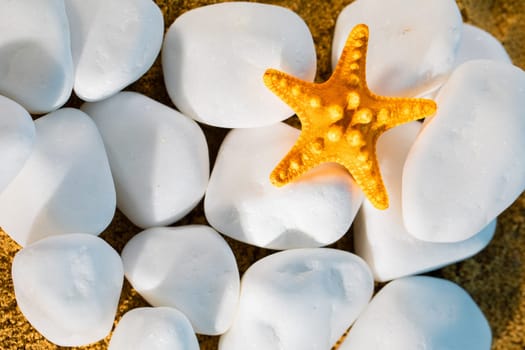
{"points": [[65, 186], [68, 287], [214, 58], [380, 237], [158, 157], [159, 328], [467, 164], [477, 44], [412, 43], [191, 268], [113, 43], [17, 137], [299, 299], [36, 68], [420, 312], [242, 203]]}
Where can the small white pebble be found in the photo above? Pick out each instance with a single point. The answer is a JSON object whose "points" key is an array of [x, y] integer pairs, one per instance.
{"points": [[17, 138], [159, 328], [191, 268], [380, 237], [467, 164], [65, 186], [36, 66], [68, 287], [214, 58], [242, 203], [477, 44], [299, 299], [113, 43], [158, 157], [420, 313]]}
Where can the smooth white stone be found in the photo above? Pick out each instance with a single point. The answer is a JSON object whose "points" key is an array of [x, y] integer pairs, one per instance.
{"points": [[214, 58], [65, 186], [68, 287], [158, 157], [159, 328], [113, 43], [36, 68], [17, 137], [191, 268], [299, 299], [477, 44], [242, 203], [412, 44], [467, 164], [380, 237], [420, 313]]}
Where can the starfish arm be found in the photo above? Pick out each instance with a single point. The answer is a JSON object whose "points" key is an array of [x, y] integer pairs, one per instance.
{"points": [[351, 67], [291, 90], [299, 160], [368, 177], [393, 111]]}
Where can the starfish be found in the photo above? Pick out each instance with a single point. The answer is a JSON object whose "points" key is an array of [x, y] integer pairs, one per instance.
{"points": [[342, 120]]}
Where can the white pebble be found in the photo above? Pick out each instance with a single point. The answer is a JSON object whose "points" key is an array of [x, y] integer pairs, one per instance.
{"points": [[65, 186], [380, 237], [36, 67], [467, 165], [242, 203], [299, 299], [420, 313], [68, 287], [17, 137], [158, 157], [412, 44], [477, 44], [214, 58], [159, 328], [191, 268], [113, 43]]}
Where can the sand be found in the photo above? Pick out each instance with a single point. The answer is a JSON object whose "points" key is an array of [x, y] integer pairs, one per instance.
{"points": [[495, 278]]}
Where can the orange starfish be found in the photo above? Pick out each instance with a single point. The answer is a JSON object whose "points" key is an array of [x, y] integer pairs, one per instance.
{"points": [[342, 120]]}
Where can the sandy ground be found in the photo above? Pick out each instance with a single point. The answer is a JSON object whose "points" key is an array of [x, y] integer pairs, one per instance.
{"points": [[495, 278]]}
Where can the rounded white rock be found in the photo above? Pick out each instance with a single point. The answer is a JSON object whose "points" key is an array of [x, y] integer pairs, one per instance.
{"points": [[214, 58], [17, 138], [113, 43], [477, 44], [191, 268], [412, 44], [420, 313], [158, 157], [68, 287], [65, 186], [467, 164], [159, 328], [36, 68], [380, 237], [299, 299], [242, 203]]}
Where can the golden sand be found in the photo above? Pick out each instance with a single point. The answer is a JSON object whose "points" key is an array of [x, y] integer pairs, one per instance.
{"points": [[495, 278]]}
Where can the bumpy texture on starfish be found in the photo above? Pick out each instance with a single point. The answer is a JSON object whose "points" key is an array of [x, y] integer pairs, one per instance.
{"points": [[342, 120]]}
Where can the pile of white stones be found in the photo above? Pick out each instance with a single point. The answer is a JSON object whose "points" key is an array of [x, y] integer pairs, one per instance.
{"points": [[64, 174]]}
